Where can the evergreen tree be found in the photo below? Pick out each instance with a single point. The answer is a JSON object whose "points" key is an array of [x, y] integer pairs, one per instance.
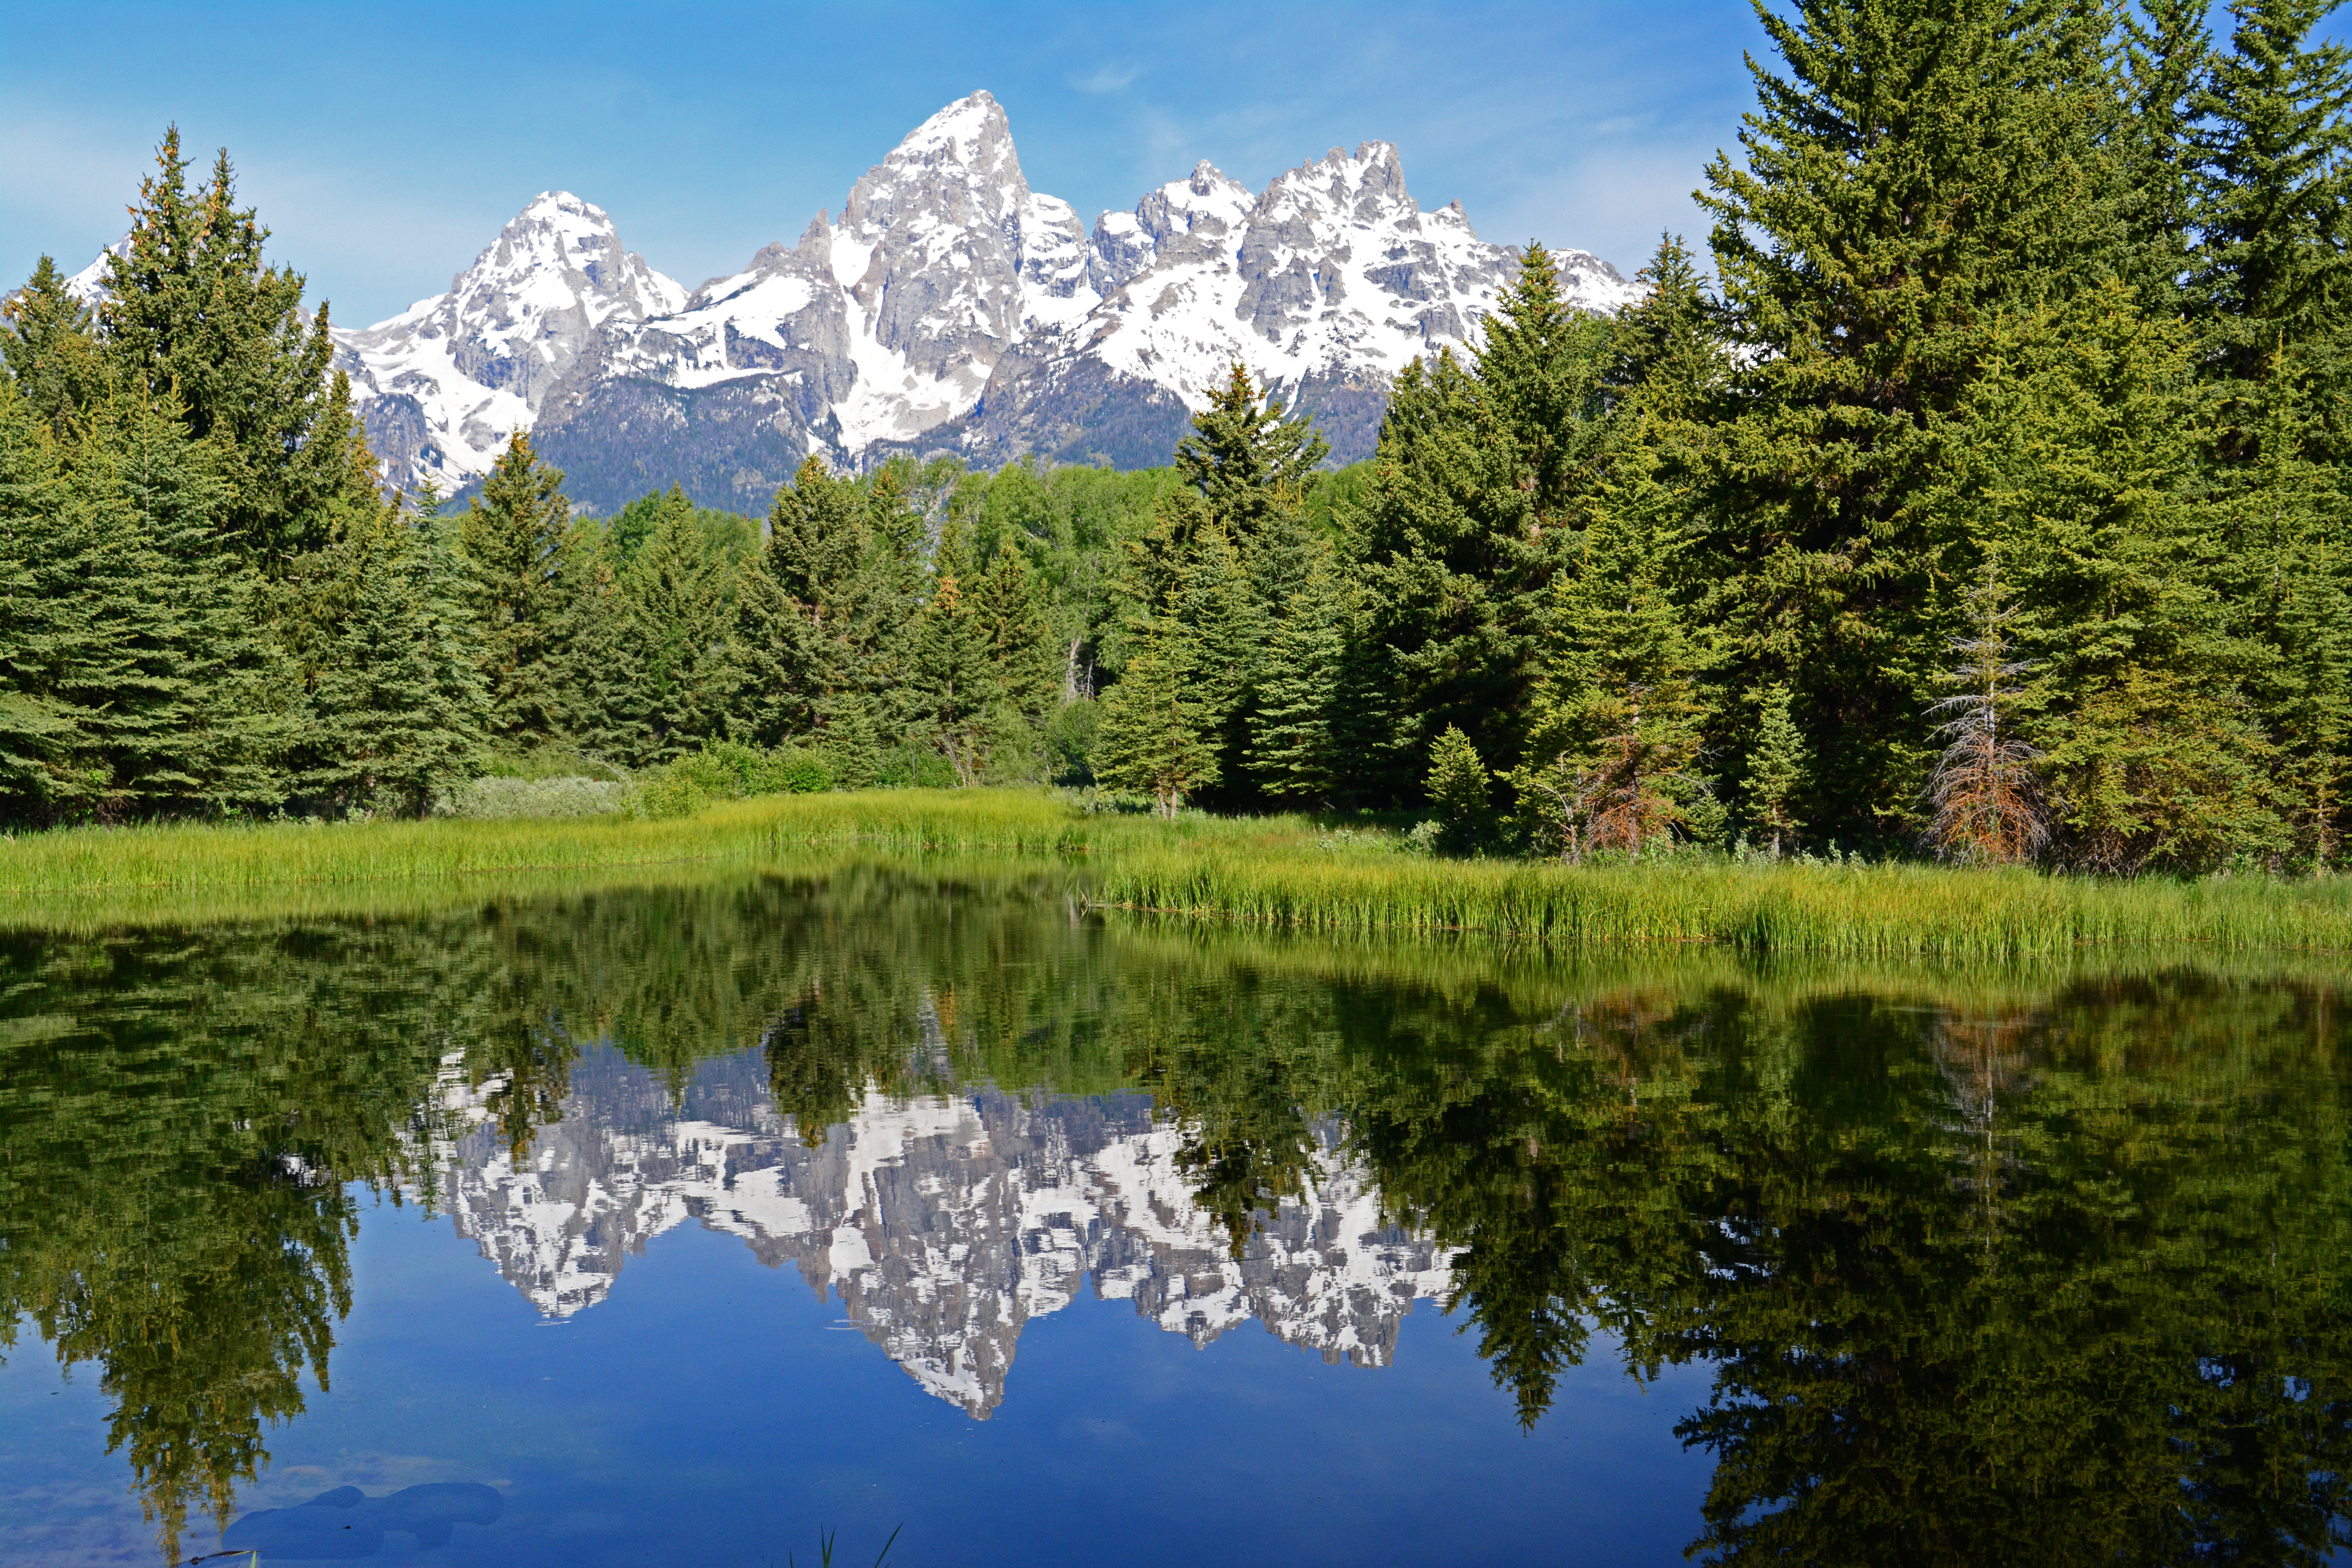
{"points": [[1776, 771], [192, 310], [1158, 735], [1295, 746], [1482, 472], [1616, 725], [2289, 584], [1988, 808], [442, 587], [2275, 198], [676, 592], [514, 538], [1247, 462], [2166, 49], [1457, 790], [2076, 472], [954, 689], [777, 675], [50, 352], [197, 708], [598, 674], [1025, 682], [394, 723], [40, 622]]}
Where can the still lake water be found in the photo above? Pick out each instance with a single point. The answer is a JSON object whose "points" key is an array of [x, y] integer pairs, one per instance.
{"points": [[679, 1225]]}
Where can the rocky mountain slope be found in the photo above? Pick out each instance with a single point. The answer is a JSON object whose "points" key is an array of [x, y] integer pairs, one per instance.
{"points": [[949, 309], [942, 1223]]}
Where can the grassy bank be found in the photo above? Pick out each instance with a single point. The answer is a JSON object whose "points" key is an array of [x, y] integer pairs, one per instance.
{"points": [[1282, 871]]}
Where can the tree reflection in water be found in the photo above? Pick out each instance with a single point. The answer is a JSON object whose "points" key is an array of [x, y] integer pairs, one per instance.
{"points": [[2003, 1268]]}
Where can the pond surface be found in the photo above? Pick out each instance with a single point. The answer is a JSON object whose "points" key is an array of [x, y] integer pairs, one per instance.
{"points": [[686, 1225]]}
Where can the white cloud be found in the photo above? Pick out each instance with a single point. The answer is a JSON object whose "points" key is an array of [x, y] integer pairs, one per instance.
{"points": [[1106, 79]]}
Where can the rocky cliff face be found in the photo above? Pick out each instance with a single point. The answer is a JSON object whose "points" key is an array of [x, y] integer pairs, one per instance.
{"points": [[942, 1223], [444, 383], [949, 309]]}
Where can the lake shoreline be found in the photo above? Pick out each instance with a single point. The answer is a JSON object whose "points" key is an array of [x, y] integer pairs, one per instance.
{"points": [[1292, 872]]}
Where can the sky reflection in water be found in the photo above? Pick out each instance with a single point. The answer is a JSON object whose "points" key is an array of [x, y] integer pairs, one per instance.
{"points": [[690, 1222]]}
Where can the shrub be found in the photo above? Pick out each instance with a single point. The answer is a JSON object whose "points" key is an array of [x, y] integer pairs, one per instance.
{"points": [[496, 797]]}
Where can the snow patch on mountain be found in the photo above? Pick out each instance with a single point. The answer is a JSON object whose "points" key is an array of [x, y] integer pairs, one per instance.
{"points": [[444, 383], [949, 307]]}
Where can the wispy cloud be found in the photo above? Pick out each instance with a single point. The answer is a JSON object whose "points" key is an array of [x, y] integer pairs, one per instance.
{"points": [[1106, 79]]}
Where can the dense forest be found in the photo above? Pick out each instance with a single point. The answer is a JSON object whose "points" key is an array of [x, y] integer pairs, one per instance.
{"points": [[1980, 492]]}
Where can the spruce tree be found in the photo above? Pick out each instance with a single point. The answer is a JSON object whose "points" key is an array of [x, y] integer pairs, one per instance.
{"points": [[2288, 580], [385, 736], [1025, 677], [1295, 741], [41, 620], [954, 693], [193, 311], [776, 678], [514, 538], [197, 709], [48, 346], [1247, 461], [676, 591], [2166, 48], [1614, 730], [442, 587], [2077, 472], [1776, 771], [2274, 209], [1457, 790], [1483, 475], [1158, 736]]}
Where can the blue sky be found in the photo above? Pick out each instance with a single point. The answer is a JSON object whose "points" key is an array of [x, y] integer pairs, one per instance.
{"points": [[385, 145]]}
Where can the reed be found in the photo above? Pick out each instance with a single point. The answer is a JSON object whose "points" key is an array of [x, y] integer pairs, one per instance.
{"points": [[1280, 872], [1849, 910]]}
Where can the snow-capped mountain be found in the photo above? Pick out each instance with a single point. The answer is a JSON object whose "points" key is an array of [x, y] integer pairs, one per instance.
{"points": [[943, 1224], [89, 285], [443, 383], [950, 307]]}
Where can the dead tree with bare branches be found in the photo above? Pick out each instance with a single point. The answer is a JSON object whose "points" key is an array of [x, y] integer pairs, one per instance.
{"points": [[1988, 807]]}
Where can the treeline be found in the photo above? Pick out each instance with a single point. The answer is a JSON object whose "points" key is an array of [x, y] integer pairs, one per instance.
{"points": [[1985, 497]]}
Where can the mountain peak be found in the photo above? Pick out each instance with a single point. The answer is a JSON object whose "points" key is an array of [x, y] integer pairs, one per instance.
{"points": [[973, 130]]}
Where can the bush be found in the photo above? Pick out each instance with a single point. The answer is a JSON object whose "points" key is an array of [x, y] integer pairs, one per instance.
{"points": [[501, 797], [797, 769], [727, 771], [550, 762]]}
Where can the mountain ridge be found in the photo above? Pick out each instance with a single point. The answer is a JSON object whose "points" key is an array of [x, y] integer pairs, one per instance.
{"points": [[950, 307]]}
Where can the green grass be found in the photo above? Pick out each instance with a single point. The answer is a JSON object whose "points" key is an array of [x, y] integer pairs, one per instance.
{"points": [[1284, 872]]}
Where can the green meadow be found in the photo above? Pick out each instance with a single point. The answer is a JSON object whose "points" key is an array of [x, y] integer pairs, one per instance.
{"points": [[1287, 872]]}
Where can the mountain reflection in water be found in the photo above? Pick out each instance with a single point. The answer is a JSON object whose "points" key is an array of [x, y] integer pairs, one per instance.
{"points": [[2041, 1267], [942, 1223]]}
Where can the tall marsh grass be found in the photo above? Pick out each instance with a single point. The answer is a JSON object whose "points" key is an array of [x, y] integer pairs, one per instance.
{"points": [[1281, 872]]}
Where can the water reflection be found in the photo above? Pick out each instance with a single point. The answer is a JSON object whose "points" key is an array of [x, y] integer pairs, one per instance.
{"points": [[346, 1524], [942, 1223], [2029, 1267]]}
